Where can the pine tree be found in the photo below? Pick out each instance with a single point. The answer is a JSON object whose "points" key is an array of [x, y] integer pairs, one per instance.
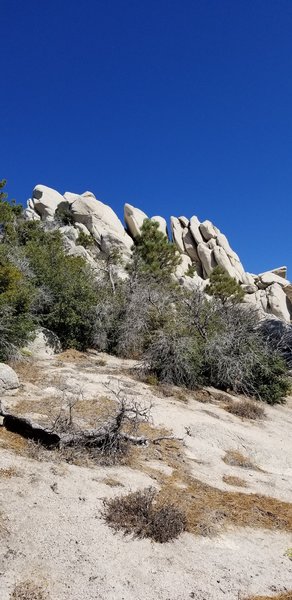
{"points": [[153, 254], [224, 287]]}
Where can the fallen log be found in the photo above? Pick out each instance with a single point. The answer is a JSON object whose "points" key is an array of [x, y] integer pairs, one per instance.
{"points": [[108, 436]]}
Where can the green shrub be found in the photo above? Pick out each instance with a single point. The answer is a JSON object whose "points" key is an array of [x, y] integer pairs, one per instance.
{"points": [[84, 240], [69, 293], [64, 214], [224, 287]]}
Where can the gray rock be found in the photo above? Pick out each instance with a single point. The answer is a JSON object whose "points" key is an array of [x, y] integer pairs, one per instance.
{"points": [[162, 224], [45, 344], [177, 233], [46, 201], [8, 378], [195, 230], [134, 219]]}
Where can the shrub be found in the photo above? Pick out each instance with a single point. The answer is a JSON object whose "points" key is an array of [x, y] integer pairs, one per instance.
{"points": [[174, 359], [68, 304], [245, 408], [237, 357], [64, 215], [84, 240], [16, 322], [137, 513]]}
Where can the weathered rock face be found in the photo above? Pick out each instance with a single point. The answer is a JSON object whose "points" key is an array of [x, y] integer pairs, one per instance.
{"points": [[201, 244], [45, 344], [8, 378], [45, 201], [134, 218]]}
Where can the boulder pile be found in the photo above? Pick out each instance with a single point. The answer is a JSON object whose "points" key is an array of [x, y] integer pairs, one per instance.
{"points": [[201, 244]]}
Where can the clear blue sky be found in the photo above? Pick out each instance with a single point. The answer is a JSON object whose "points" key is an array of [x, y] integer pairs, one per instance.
{"points": [[178, 107]]}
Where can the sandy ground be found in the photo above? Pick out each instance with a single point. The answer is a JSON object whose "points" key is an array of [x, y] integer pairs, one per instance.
{"points": [[52, 512]]}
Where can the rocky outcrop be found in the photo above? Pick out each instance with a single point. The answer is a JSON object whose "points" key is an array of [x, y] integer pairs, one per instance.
{"points": [[8, 378], [134, 219], [201, 244], [45, 201]]}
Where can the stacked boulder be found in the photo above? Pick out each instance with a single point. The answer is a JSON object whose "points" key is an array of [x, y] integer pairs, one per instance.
{"points": [[201, 244]]}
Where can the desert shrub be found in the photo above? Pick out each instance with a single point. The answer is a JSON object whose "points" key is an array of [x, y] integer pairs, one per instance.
{"points": [[137, 514], [245, 408], [279, 338], [63, 214], [174, 359], [237, 357], [84, 240]]}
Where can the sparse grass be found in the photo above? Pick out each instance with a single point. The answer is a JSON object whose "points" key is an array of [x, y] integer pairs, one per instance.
{"points": [[234, 458], [245, 408], [138, 514], [233, 480], [101, 362], [28, 371], [8, 473], [72, 355], [27, 590], [112, 482], [208, 509], [203, 396]]}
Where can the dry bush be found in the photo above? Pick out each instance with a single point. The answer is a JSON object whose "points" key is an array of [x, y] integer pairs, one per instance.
{"points": [[234, 458], [246, 409], [203, 396], [27, 590], [233, 480], [138, 514], [101, 362]]}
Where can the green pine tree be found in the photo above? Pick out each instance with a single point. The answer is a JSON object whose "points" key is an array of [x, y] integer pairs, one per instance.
{"points": [[153, 254], [224, 287]]}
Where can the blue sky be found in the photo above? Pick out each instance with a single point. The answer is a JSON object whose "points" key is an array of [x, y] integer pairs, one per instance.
{"points": [[175, 107]]}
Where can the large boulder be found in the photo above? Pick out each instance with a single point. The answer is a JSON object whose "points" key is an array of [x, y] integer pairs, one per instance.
{"points": [[45, 201], [8, 378], [270, 277], [208, 230], [195, 230], [223, 261], [278, 302], [281, 271], [183, 267], [134, 219], [177, 233], [190, 245], [45, 344], [183, 221], [207, 258], [100, 220], [162, 225]]}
